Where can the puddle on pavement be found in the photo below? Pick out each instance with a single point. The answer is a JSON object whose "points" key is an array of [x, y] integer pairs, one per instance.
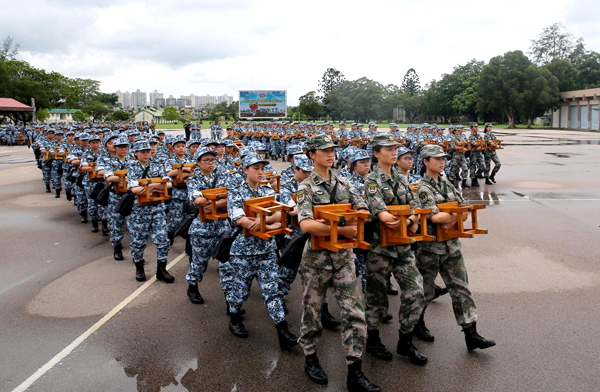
{"points": [[525, 270]]}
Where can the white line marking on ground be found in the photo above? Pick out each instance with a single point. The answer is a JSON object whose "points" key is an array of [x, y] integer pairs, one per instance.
{"points": [[67, 350]]}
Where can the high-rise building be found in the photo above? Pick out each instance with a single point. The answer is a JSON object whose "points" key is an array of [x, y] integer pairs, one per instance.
{"points": [[139, 99], [154, 96]]}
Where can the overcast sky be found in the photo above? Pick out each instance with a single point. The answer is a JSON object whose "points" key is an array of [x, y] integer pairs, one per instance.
{"points": [[222, 46]]}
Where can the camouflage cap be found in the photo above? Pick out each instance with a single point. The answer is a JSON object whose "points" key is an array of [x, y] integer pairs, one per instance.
{"points": [[474, 124], [320, 142], [177, 139], [192, 141], [488, 125], [358, 155], [141, 145], [253, 158], [294, 149], [228, 143], [203, 151], [303, 162], [245, 151], [384, 140], [404, 150], [121, 141], [433, 151], [94, 137]]}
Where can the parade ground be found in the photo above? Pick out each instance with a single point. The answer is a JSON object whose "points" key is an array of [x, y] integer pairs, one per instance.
{"points": [[74, 319]]}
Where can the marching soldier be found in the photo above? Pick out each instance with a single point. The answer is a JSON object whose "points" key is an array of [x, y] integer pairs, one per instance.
{"points": [[149, 219], [322, 269], [252, 257], [384, 187], [477, 166], [490, 156], [204, 236], [445, 257]]}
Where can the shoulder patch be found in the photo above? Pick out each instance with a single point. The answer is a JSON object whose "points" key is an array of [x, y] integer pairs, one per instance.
{"points": [[423, 196], [372, 188], [300, 196]]}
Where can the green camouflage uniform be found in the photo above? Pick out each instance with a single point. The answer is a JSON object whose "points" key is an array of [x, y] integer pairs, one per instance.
{"points": [[490, 156], [445, 257], [321, 269], [477, 163], [400, 260]]}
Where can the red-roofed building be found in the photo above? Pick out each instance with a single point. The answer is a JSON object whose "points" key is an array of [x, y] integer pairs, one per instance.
{"points": [[10, 105]]}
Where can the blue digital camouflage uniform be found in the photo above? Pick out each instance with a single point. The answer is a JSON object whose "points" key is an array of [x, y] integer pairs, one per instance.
{"points": [[78, 188], [288, 275], [48, 164], [178, 196], [204, 236], [253, 257], [64, 149], [95, 211], [147, 220], [116, 221]]}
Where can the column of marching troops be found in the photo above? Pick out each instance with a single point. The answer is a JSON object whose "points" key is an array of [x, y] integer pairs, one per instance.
{"points": [[376, 172]]}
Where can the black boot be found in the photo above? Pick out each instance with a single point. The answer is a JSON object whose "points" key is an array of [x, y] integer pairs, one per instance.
{"points": [[236, 326], [48, 188], [408, 349], [474, 340], [57, 195], [464, 184], [105, 229], [488, 182], [474, 183], [162, 274], [118, 254], [69, 194], [421, 331], [241, 312], [357, 381], [313, 368], [83, 216], [376, 348], [140, 275], [286, 338], [285, 308], [327, 319], [388, 317], [391, 289], [94, 226], [493, 178], [194, 294], [171, 236], [439, 291]]}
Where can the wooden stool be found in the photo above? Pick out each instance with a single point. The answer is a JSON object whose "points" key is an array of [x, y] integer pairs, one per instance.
{"points": [[262, 207], [179, 180], [459, 230], [494, 145], [236, 147], [478, 145], [401, 235], [269, 176], [337, 215], [214, 195], [461, 147], [148, 198], [119, 189], [93, 175]]}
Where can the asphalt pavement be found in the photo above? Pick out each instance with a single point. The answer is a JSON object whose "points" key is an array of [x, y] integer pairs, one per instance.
{"points": [[535, 278]]}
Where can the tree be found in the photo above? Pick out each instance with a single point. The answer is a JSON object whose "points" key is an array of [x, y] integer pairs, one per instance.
{"points": [[42, 114], [119, 115], [588, 70], [330, 80], [109, 99], [565, 72], [96, 110], [509, 83], [170, 114], [411, 84], [541, 93], [554, 42], [8, 51], [79, 116], [310, 105], [413, 105]]}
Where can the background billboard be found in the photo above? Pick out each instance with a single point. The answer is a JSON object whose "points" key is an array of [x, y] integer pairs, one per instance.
{"points": [[263, 104]]}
